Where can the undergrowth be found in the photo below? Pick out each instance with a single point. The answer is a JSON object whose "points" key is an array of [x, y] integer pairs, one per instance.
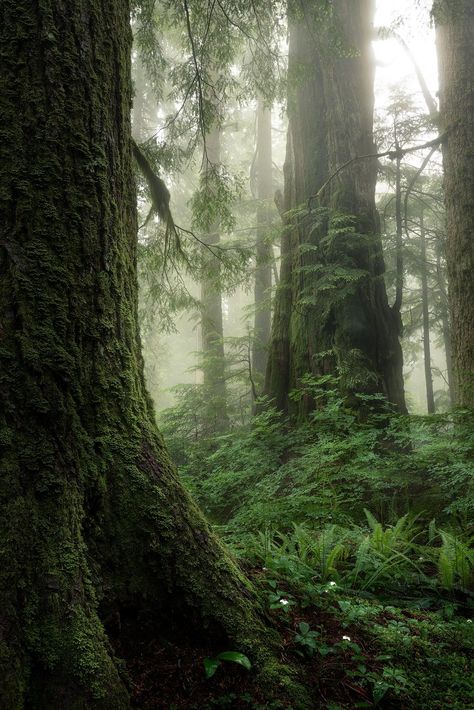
{"points": [[357, 527]]}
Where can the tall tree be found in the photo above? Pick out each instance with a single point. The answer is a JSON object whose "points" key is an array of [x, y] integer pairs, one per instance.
{"points": [[455, 28], [264, 249], [92, 513], [212, 328], [430, 400], [331, 310]]}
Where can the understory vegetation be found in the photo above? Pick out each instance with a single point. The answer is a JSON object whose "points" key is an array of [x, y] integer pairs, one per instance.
{"points": [[356, 527]]}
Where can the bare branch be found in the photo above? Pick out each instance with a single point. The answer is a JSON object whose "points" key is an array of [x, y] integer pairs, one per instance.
{"points": [[392, 154]]}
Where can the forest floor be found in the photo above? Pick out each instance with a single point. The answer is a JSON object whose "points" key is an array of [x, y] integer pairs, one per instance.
{"points": [[348, 652], [358, 537]]}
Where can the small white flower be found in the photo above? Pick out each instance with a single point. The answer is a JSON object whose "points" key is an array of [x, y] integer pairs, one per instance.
{"points": [[469, 621], [284, 602], [346, 638], [420, 559], [264, 569], [332, 584]]}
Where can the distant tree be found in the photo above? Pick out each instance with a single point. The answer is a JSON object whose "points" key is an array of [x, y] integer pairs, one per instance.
{"points": [[212, 328], [331, 309], [455, 28], [264, 249], [92, 515]]}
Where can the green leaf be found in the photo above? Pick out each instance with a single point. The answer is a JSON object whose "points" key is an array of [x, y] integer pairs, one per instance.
{"points": [[304, 628], [379, 691], [235, 657], [210, 666]]}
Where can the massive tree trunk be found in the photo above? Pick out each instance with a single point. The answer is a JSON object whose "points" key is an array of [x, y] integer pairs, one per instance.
{"points": [[455, 29], [92, 516], [331, 310]]}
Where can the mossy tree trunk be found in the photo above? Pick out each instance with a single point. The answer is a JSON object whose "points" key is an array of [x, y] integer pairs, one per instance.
{"points": [[92, 516], [331, 310], [455, 28]]}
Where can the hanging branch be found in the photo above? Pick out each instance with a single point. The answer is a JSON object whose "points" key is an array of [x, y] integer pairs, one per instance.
{"points": [[392, 154], [159, 193], [197, 71]]}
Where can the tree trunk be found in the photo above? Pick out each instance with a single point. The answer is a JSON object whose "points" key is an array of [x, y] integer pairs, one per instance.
{"points": [[430, 402], [331, 310], [455, 29], [445, 324], [212, 328], [277, 376], [264, 250], [92, 514]]}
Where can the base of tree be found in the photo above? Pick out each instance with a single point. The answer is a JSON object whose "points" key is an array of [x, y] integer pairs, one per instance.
{"points": [[164, 668]]}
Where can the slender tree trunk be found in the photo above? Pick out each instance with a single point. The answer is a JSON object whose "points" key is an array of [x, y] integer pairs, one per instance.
{"points": [[93, 518], [277, 376], [430, 402], [212, 329], [445, 324], [397, 306], [455, 29], [331, 310], [264, 250]]}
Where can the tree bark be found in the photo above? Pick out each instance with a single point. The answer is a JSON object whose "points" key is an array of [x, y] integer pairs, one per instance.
{"points": [[93, 518], [455, 27], [331, 311]]}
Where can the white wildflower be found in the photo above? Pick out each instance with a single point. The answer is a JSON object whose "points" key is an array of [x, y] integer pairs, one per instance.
{"points": [[284, 602], [346, 638]]}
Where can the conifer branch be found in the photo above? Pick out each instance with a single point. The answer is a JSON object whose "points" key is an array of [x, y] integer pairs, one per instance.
{"points": [[398, 153]]}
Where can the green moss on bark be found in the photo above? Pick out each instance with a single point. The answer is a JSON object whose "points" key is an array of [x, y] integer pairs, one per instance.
{"points": [[92, 513]]}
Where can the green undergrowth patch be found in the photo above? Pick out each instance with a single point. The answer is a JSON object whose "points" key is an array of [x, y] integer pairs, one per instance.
{"points": [[357, 528], [360, 652], [270, 473]]}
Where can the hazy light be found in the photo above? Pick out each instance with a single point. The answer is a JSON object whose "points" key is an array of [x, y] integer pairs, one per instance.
{"points": [[412, 21]]}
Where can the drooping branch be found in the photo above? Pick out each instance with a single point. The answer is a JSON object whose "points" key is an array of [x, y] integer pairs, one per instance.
{"points": [[398, 153], [197, 70], [159, 193]]}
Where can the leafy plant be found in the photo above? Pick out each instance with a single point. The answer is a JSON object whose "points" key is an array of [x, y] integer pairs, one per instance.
{"points": [[307, 639], [212, 664]]}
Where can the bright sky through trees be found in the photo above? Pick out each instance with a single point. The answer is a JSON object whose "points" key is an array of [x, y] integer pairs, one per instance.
{"points": [[412, 20]]}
